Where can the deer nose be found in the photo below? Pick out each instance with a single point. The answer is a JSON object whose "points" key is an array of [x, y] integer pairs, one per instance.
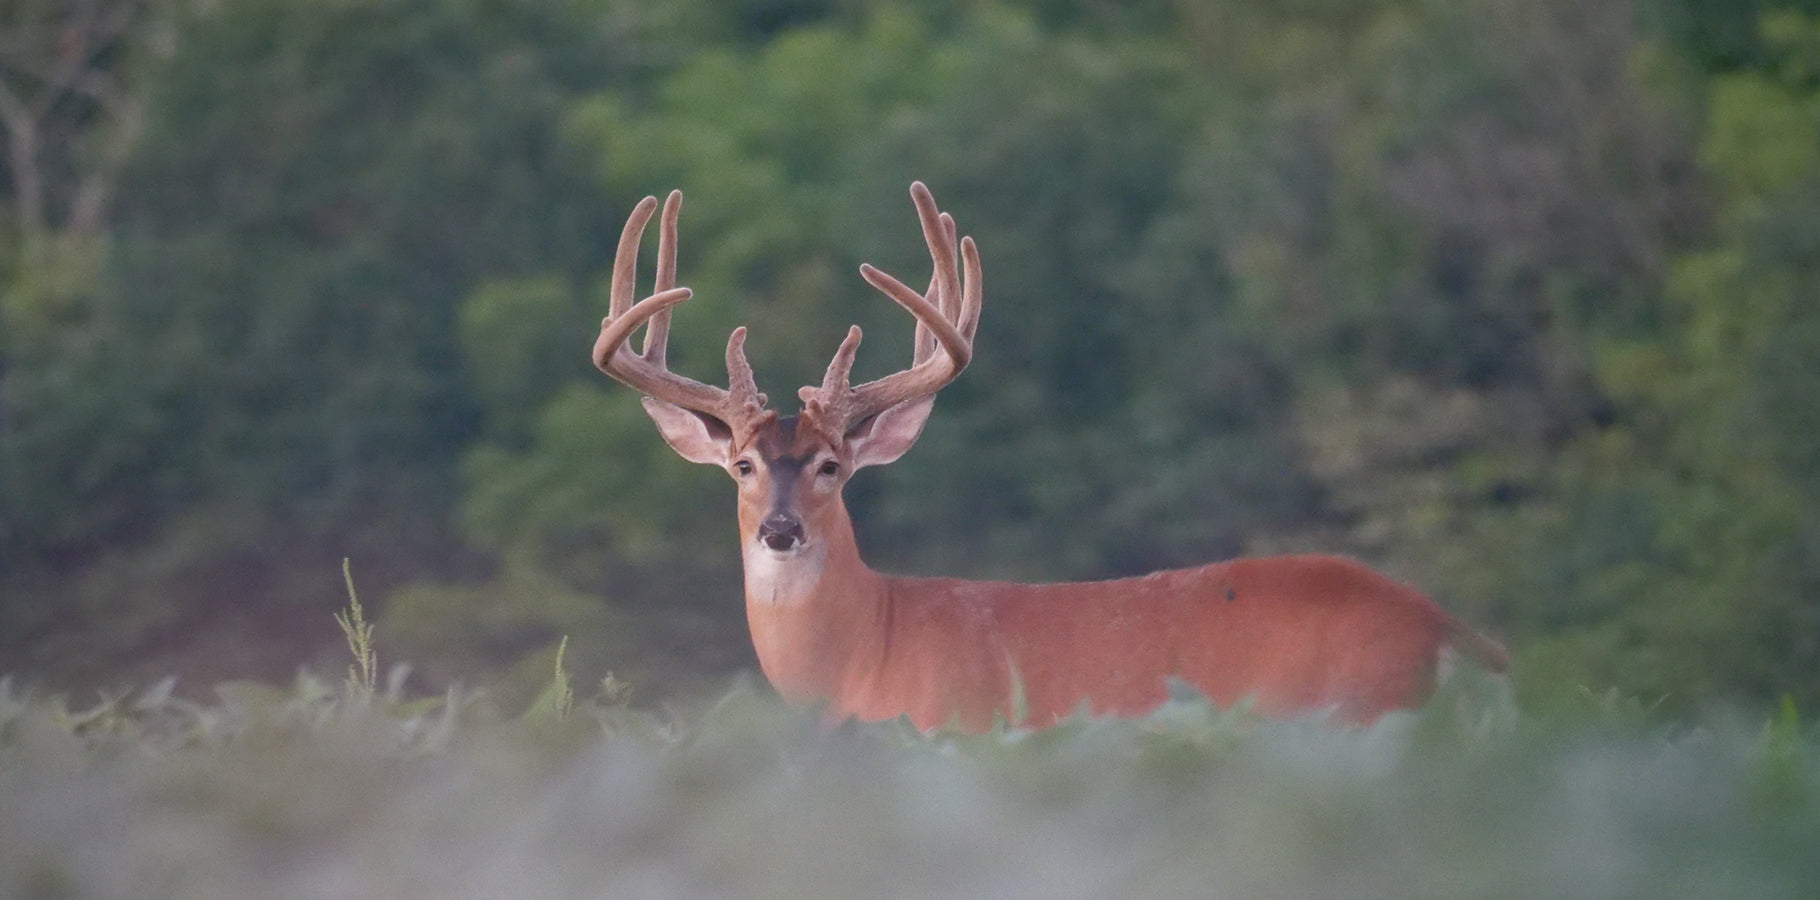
{"points": [[781, 531]]}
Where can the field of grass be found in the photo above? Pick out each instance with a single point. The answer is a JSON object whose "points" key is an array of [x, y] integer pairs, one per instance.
{"points": [[357, 790], [354, 790]]}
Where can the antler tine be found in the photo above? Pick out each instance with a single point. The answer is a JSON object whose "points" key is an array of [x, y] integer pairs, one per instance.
{"points": [[743, 388], [948, 322], [625, 258], [938, 233], [925, 339], [741, 407], [657, 332], [831, 406], [973, 291]]}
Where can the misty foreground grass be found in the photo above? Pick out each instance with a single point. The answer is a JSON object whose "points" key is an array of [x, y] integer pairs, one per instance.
{"points": [[331, 790]]}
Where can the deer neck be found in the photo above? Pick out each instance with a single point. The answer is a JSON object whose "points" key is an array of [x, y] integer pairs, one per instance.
{"points": [[816, 613]]}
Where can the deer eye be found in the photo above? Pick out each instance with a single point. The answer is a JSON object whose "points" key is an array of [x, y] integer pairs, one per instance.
{"points": [[743, 467], [831, 467]]}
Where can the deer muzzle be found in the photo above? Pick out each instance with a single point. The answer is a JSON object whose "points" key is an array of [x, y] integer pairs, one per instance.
{"points": [[781, 531]]}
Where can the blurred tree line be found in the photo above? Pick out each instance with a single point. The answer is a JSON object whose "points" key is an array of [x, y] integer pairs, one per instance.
{"points": [[1514, 298]]}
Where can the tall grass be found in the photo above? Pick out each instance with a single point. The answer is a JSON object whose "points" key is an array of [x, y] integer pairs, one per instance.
{"points": [[315, 789]]}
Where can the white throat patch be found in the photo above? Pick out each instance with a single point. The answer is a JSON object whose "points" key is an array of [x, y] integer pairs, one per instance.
{"points": [[782, 579]]}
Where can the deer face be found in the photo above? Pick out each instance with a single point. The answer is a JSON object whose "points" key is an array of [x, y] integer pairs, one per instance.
{"points": [[789, 481], [790, 471]]}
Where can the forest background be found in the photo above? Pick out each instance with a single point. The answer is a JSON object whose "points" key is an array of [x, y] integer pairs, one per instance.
{"points": [[1516, 299]]}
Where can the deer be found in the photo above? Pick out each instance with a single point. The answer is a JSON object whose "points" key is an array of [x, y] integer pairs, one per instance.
{"points": [[1291, 636]]}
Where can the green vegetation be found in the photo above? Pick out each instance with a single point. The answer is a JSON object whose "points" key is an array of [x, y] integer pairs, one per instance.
{"points": [[322, 791], [363, 674], [1513, 298]]}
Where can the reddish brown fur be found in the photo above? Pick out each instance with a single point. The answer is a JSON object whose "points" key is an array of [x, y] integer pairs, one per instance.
{"points": [[1293, 635]]}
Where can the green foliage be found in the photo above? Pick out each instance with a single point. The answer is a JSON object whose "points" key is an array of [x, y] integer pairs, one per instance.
{"points": [[281, 790], [518, 341], [558, 699], [323, 383], [359, 632], [1691, 511], [1718, 35], [270, 339]]}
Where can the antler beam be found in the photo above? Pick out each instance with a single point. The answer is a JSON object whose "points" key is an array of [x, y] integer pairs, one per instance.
{"points": [[948, 322]]}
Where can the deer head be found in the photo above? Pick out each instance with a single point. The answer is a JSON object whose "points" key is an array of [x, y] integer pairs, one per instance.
{"points": [[790, 469]]}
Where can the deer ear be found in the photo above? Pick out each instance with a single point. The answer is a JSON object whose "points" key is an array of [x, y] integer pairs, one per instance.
{"points": [[889, 434], [696, 437]]}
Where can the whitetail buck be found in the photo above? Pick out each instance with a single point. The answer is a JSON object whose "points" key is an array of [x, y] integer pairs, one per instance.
{"points": [[1294, 635]]}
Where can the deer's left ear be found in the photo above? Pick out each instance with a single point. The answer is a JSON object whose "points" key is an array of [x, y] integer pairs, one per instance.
{"points": [[884, 437]]}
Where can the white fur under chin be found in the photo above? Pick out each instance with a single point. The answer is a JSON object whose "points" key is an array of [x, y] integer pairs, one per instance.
{"points": [[778, 578]]}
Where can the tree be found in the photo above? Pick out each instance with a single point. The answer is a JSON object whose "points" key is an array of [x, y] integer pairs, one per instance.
{"points": [[1669, 551], [265, 376], [60, 85]]}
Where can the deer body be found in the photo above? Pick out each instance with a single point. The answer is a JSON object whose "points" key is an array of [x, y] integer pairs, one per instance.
{"points": [[1292, 635], [1299, 635]]}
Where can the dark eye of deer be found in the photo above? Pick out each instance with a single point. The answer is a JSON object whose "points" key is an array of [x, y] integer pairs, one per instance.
{"points": [[743, 467], [831, 468]]}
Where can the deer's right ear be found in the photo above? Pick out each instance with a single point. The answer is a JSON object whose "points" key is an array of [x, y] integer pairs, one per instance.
{"points": [[697, 438]]}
